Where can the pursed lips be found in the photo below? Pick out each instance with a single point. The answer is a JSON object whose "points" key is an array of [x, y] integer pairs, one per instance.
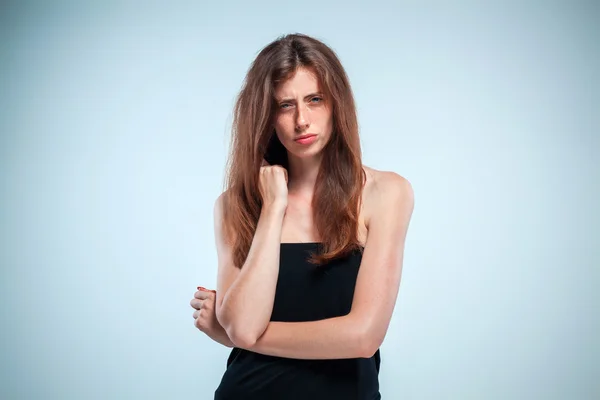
{"points": [[305, 136]]}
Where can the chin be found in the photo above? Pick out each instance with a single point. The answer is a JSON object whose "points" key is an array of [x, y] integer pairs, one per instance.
{"points": [[307, 153]]}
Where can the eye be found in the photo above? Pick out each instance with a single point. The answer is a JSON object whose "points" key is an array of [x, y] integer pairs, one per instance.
{"points": [[284, 106], [319, 99]]}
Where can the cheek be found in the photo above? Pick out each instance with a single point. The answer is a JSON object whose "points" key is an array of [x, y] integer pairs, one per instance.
{"points": [[279, 135], [328, 123], [283, 125], [279, 129]]}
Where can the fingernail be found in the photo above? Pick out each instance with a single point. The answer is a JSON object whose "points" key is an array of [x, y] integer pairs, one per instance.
{"points": [[201, 288]]}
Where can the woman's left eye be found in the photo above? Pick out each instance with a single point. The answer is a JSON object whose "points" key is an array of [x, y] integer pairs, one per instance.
{"points": [[317, 98]]}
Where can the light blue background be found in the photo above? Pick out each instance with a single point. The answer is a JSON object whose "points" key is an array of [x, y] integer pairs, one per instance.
{"points": [[114, 121]]}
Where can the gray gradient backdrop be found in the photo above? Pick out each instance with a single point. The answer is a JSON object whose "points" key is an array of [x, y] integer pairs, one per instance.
{"points": [[114, 120]]}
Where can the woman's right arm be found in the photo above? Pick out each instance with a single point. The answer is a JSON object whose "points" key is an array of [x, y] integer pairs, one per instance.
{"points": [[245, 296]]}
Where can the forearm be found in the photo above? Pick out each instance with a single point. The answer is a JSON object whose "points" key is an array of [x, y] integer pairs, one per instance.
{"points": [[248, 304], [332, 338]]}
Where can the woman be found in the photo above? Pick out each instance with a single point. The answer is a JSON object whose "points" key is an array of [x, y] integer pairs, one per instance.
{"points": [[310, 242]]}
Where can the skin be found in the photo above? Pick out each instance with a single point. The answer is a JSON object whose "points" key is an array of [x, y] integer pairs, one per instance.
{"points": [[302, 110], [388, 203]]}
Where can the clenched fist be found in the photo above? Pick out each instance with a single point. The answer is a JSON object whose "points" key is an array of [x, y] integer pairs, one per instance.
{"points": [[273, 181], [205, 316]]}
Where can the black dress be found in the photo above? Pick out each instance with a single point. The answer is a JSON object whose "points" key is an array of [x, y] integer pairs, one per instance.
{"points": [[304, 292]]}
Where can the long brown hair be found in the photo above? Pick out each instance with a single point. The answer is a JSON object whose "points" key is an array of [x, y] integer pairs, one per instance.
{"points": [[340, 180]]}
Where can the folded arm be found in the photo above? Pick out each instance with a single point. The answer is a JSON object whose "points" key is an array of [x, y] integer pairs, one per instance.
{"points": [[361, 332]]}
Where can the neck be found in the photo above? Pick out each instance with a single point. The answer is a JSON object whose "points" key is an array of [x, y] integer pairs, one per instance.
{"points": [[302, 175]]}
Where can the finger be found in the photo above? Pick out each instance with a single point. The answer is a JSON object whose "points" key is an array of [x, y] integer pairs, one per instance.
{"points": [[202, 295], [198, 324], [196, 314], [196, 303]]}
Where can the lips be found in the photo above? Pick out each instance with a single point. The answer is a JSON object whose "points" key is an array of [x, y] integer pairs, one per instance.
{"points": [[306, 140], [305, 136]]}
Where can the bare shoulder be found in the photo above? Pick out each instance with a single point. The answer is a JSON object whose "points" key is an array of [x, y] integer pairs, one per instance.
{"points": [[219, 205], [222, 234], [218, 208], [386, 191]]}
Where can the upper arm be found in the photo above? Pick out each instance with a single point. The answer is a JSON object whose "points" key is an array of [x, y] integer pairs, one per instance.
{"points": [[378, 281], [227, 271]]}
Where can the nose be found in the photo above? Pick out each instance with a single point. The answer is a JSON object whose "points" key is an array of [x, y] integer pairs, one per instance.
{"points": [[302, 121]]}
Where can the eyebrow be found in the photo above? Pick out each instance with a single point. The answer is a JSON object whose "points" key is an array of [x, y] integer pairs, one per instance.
{"points": [[290, 100]]}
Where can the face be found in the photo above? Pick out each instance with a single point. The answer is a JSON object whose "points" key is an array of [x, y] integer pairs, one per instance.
{"points": [[303, 120]]}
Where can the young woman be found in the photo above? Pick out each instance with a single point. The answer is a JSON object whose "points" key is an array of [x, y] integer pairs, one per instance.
{"points": [[310, 241]]}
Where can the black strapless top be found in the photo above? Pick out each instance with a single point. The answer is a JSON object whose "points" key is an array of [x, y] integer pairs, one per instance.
{"points": [[305, 292]]}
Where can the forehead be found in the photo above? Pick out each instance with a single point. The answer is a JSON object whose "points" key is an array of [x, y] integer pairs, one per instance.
{"points": [[302, 82]]}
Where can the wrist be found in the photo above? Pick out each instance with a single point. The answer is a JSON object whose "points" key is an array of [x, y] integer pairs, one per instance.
{"points": [[275, 208]]}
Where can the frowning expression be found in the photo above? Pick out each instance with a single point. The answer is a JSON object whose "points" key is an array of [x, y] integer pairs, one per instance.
{"points": [[303, 120]]}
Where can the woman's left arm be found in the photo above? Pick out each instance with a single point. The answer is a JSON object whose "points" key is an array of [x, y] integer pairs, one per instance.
{"points": [[361, 332]]}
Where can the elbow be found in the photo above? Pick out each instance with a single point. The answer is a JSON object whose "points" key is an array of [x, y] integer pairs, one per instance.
{"points": [[368, 351], [367, 348], [241, 340], [240, 337], [370, 341]]}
